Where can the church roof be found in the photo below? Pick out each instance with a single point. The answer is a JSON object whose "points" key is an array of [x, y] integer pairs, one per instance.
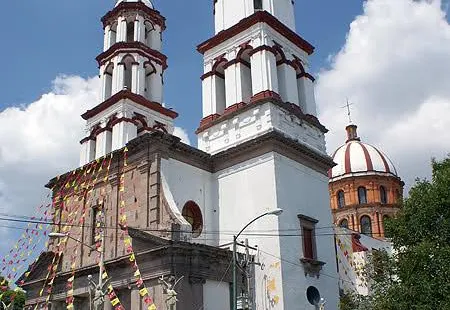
{"points": [[146, 2], [356, 158]]}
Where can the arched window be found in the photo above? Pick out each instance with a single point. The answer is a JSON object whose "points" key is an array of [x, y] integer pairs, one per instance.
{"points": [[341, 199], [112, 35], [366, 225], [344, 223], [130, 31], [128, 63], [192, 213], [383, 194], [108, 76], [245, 73], [219, 80], [362, 195]]}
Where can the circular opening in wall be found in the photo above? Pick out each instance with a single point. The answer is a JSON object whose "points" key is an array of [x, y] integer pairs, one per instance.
{"points": [[313, 295], [193, 214]]}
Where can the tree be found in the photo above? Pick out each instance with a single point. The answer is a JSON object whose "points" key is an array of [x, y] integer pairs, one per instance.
{"points": [[417, 276]]}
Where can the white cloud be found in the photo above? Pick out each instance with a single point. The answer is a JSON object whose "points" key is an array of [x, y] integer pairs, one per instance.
{"points": [[394, 66], [182, 134]]}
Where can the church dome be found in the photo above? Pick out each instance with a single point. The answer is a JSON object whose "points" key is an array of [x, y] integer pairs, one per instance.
{"points": [[146, 2], [356, 158]]}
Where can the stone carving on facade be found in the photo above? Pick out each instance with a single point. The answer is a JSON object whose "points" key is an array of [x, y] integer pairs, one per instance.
{"points": [[170, 292]]}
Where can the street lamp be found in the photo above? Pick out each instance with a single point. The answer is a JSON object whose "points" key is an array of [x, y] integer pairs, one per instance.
{"points": [[99, 300], [276, 212]]}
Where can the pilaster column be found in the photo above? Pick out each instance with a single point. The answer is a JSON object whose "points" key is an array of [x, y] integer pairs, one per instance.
{"points": [[122, 29], [287, 83], [141, 80], [264, 70], [103, 142], [107, 38], [87, 153], [120, 76], [156, 85], [135, 77], [155, 42], [231, 85], [139, 31], [136, 302], [123, 132]]}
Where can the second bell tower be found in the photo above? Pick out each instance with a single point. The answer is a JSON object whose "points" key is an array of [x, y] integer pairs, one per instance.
{"points": [[131, 73]]}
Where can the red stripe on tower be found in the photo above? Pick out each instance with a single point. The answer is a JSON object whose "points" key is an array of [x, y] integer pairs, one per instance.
{"points": [[367, 156]]}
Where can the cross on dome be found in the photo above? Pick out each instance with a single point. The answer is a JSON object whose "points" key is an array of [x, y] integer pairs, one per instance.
{"points": [[146, 2]]}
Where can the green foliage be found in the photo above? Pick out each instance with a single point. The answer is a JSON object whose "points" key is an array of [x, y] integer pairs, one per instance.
{"points": [[13, 299], [417, 277]]}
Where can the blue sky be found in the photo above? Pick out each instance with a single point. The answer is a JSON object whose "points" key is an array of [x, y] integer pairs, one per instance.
{"points": [[52, 37]]}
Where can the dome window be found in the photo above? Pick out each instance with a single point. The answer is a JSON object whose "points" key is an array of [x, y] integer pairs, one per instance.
{"points": [[362, 195], [341, 199], [366, 225], [383, 195], [193, 214]]}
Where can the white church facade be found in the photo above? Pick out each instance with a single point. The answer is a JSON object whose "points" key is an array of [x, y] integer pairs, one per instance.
{"points": [[260, 148]]}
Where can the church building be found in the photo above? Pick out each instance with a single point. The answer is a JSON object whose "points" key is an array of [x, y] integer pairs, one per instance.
{"points": [[142, 196]]}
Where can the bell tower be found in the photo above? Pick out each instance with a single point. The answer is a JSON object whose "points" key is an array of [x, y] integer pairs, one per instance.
{"points": [[131, 73], [228, 13], [256, 77]]}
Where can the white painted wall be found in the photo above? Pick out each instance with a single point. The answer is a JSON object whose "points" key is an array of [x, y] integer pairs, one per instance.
{"points": [[246, 191], [258, 121], [190, 183], [216, 295], [302, 190]]}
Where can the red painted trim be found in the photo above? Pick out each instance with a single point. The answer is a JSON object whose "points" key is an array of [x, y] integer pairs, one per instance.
{"points": [[126, 94], [386, 165], [132, 47], [234, 107], [87, 139], [237, 61], [257, 17], [123, 119], [208, 119], [367, 156], [212, 73], [306, 75], [348, 167], [263, 48], [265, 94], [125, 7]]}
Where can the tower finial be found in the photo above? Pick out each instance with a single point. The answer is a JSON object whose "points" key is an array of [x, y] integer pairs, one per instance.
{"points": [[349, 113]]}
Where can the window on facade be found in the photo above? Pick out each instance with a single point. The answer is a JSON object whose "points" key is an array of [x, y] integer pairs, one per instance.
{"points": [[383, 194], [108, 76], [148, 33], [246, 74], [193, 215], [341, 199], [113, 35], [258, 4], [130, 32], [344, 223], [366, 225], [362, 195], [307, 226], [219, 76], [128, 76], [96, 221]]}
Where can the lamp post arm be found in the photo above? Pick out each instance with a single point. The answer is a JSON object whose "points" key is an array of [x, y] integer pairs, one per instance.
{"points": [[251, 222], [81, 242]]}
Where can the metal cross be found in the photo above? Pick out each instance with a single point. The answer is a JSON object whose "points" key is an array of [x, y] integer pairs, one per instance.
{"points": [[349, 113]]}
